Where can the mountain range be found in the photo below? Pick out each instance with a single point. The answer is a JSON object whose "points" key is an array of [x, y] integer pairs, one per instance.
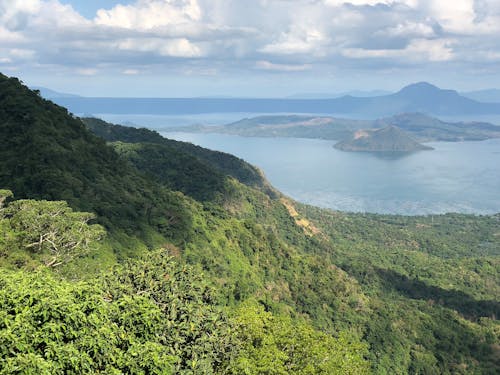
{"points": [[420, 97]]}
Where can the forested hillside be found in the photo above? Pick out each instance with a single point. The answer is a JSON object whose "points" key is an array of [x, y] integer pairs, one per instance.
{"points": [[161, 257]]}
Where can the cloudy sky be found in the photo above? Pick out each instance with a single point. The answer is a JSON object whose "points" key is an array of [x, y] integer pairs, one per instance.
{"points": [[249, 47]]}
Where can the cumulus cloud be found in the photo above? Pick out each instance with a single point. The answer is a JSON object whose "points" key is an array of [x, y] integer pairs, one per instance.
{"points": [[274, 35], [298, 40], [417, 50], [180, 47], [147, 15]]}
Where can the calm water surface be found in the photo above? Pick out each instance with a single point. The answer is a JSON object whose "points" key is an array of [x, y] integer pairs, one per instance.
{"points": [[455, 177]]}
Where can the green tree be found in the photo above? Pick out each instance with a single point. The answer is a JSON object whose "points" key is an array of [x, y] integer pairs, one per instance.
{"points": [[278, 345], [52, 229]]}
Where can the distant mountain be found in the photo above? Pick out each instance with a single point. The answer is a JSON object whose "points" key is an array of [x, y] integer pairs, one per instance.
{"points": [[421, 127], [425, 128], [487, 96], [419, 97], [427, 98], [355, 93], [388, 139], [51, 94], [297, 126]]}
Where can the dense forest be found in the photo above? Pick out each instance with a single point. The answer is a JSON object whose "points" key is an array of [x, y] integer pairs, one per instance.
{"points": [[124, 252]]}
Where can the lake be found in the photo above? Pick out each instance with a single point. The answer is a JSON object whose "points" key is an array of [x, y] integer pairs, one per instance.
{"points": [[455, 177]]}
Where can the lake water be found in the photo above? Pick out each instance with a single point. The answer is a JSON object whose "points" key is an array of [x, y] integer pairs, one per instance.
{"points": [[455, 177]]}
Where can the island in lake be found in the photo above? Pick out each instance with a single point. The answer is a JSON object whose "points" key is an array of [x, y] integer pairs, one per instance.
{"points": [[420, 127], [387, 139]]}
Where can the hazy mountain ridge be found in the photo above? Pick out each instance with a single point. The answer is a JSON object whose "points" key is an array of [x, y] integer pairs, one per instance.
{"points": [[52, 94], [487, 96], [419, 97]]}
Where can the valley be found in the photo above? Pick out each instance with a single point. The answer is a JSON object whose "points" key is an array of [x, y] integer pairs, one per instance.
{"points": [[191, 262]]}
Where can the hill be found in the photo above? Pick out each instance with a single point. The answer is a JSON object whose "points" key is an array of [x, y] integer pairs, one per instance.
{"points": [[247, 281], [419, 97], [421, 127], [208, 162], [299, 126], [388, 139]]}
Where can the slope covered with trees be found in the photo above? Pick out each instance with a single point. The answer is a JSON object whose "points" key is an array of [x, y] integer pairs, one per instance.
{"points": [[247, 281]]}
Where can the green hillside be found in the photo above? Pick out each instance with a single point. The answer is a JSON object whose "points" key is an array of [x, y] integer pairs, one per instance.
{"points": [[222, 162], [198, 267]]}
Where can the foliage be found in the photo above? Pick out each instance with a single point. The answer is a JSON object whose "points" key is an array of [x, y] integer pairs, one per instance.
{"points": [[45, 153], [153, 316], [216, 161], [49, 326], [193, 329], [280, 345], [175, 169], [432, 283], [51, 229]]}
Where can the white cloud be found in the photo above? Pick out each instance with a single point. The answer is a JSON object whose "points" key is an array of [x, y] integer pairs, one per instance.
{"points": [[409, 29], [417, 50], [87, 71], [130, 72], [147, 15], [8, 36], [257, 35], [266, 65], [14, 14], [299, 40], [180, 47], [370, 2], [21, 54]]}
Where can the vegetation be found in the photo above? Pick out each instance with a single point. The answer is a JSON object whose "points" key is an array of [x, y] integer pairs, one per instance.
{"points": [[388, 139], [212, 161], [178, 265], [421, 127]]}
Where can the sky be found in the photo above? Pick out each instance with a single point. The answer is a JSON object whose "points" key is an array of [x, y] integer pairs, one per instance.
{"points": [[249, 48]]}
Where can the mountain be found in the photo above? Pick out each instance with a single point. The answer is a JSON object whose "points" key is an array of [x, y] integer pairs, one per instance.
{"points": [[487, 96], [51, 94], [182, 159], [425, 128], [388, 139], [46, 153], [419, 97], [201, 273], [421, 127], [355, 93], [427, 98]]}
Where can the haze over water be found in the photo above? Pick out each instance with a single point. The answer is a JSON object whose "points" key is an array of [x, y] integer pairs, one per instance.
{"points": [[455, 177]]}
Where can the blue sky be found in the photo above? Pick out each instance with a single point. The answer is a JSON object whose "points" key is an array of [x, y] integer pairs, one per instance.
{"points": [[88, 8], [266, 48]]}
